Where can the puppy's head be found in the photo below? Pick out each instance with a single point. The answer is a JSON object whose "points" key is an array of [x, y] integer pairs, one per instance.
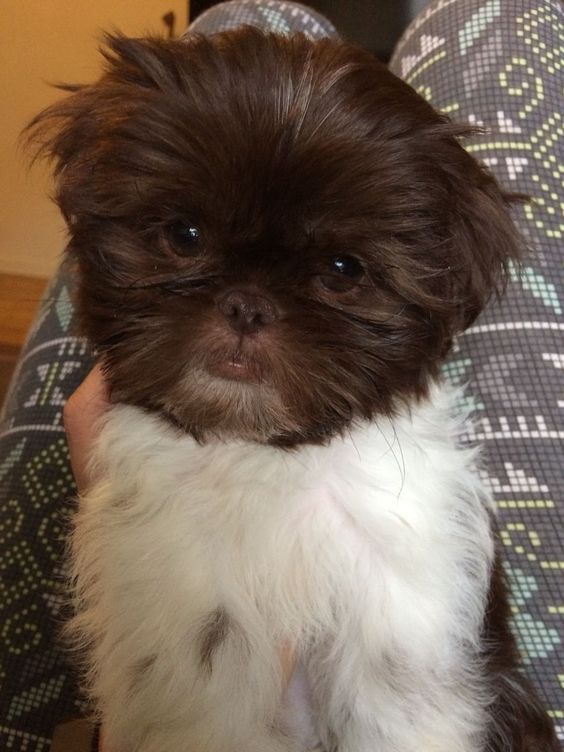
{"points": [[274, 236]]}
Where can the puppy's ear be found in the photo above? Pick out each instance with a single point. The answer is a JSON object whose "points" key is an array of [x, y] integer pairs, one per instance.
{"points": [[92, 125], [485, 244]]}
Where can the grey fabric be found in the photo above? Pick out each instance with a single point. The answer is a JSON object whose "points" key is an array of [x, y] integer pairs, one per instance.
{"points": [[513, 357], [37, 685], [271, 15], [498, 64]]}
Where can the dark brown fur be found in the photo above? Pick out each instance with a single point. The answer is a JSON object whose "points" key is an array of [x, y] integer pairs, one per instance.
{"points": [[520, 722], [212, 635], [285, 154]]}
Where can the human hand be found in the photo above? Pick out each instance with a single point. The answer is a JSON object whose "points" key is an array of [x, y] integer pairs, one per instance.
{"points": [[80, 416]]}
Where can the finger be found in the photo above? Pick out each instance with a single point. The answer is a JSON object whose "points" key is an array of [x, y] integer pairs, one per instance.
{"points": [[80, 416]]}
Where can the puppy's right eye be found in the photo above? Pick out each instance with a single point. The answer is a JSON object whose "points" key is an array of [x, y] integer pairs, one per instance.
{"points": [[344, 273], [184, 238]]}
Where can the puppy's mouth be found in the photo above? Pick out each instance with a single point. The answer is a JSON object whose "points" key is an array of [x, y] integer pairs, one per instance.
{"points": [[237, 366]]}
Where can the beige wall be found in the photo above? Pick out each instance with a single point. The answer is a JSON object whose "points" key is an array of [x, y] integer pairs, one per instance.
{"points": [[44, 41]]}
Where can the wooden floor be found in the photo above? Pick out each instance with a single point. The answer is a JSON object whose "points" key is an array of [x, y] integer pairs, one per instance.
{"points": [[19, 298]]}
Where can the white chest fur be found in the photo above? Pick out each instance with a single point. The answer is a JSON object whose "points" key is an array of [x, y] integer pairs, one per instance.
{"points": [[371, 555]]}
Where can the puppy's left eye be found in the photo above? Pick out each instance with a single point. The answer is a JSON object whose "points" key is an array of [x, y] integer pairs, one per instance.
{"points": [[347, 265], [343, 273], [184, 238]]}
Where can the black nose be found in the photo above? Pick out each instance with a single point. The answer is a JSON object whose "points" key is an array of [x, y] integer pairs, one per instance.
{"points": [[246, 312]]}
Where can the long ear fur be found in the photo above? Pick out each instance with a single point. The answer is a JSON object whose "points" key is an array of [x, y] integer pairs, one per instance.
{"points": [[485, 243], [89, 124]]}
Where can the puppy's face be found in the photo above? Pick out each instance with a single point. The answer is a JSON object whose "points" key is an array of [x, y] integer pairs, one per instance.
{"points": [[275, 236]]}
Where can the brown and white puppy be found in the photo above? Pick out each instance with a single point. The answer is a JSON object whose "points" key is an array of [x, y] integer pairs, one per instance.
{"points": [[276, 241]]}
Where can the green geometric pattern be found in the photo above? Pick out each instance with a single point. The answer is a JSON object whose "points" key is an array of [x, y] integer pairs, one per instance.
{"points": [[538, 286], [9, 462], [534, 638], [472, 30], [64, 308], [31, 699]]}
